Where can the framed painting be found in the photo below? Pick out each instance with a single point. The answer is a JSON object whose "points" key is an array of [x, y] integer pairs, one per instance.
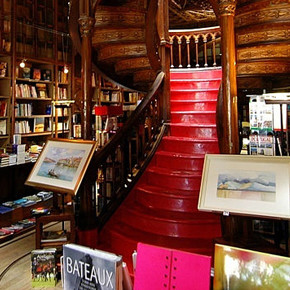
{"points": [[246, 184], [61, 165]]}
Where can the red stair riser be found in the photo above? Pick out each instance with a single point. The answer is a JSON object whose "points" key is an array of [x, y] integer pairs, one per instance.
{"points": [[190, 147], [193, 106], [194, 118], [167, 202], [179, 163], [197, 229], [195, 74], [193, 95], [173, 181], [191, 131], [198, 84]]}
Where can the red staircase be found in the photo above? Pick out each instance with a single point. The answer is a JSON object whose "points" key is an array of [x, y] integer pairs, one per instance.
{"points": [[162, 208]]}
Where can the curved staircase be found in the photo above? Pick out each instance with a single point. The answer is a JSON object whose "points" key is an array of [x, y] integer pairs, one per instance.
{"points": [[162, 208], [121, 46]]}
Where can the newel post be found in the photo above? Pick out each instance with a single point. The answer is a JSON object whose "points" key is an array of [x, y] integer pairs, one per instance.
{"points": [[165, 44], [228, 114], [87, 222]]}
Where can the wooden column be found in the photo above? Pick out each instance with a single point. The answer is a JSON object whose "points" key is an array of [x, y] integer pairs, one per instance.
{"points": [[86, 23], [229, 138], [163, 31], [87, 221]]}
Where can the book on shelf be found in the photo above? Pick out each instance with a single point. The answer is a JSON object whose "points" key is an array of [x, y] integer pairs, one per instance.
{"points": [[3, 69], [54, 236], [3, 127], [4, 209], [86, 268], [36, 74], [46, 74], [159, 266], [3, 108], [43, 268], [41, 90], [38, 125]]}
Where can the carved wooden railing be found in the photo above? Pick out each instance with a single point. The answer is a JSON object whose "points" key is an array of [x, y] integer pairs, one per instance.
{"points": [[195, 48], [116, 167]]}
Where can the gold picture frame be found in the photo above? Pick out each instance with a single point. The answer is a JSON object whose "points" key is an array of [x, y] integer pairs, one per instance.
{"points": [[246, 185], [61, 165]]}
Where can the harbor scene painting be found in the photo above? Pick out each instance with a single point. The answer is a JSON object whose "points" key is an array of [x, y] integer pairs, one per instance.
{"points": [[61, 163], [249, 185]]}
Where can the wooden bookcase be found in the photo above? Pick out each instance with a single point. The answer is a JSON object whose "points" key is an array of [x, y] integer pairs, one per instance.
{"points": [[36, 32]]}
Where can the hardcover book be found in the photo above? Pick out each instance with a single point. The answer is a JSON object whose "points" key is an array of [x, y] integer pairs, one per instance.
{"points": [[86, 268], [164, 268], [43, 268]]}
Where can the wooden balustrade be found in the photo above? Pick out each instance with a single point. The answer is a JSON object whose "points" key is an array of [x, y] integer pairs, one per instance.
{"points": [[195, 48], [117, 166]]}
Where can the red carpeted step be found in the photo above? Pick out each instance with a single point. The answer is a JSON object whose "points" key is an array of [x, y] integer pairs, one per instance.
{"points": [[195, 74], [174, 179], [156, 197], [193, 94], [194, 117], [189, 145], [193, 105], [194, 83], [168, 223], [189, 130], [180, 161]]}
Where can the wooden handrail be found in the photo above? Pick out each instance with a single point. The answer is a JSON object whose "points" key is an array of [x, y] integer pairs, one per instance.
{"points": [[115, 167]]}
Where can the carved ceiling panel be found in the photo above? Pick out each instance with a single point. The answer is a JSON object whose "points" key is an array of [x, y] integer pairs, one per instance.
{"points": [[191, 14]]}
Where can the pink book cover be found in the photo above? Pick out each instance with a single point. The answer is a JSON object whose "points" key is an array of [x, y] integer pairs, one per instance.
{"points": [[162, 268], [190, 271], [152, 268]]}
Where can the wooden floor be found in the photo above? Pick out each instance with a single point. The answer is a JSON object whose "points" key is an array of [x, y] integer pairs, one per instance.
{"points": [[15, 264]]}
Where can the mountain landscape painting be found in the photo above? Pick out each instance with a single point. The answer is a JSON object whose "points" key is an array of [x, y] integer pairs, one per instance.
{"points": [[250, 185]]}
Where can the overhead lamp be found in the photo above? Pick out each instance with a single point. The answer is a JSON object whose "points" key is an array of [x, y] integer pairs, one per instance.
{"points": [[22, 64], [65, 69]]}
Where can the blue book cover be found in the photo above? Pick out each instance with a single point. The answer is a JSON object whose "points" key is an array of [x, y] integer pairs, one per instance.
{"points": [[86, 268], [4, 209]]}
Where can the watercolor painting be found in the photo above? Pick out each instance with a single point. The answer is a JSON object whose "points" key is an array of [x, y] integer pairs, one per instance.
{"points": [[62, 165], [250, 185]]}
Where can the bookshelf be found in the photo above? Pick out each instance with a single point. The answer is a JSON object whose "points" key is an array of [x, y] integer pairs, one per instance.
{"points": [[34, 91]]}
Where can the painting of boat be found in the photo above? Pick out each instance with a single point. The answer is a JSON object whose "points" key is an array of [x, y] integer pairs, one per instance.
{"points": [[61, 163]]}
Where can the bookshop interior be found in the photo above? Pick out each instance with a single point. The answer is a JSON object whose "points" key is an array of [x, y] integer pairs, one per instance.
{"points": [[144, 144]]}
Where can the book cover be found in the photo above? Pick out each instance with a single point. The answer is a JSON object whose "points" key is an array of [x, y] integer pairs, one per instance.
{"points": [[4, 209], [3, 127], [173, 268], [38, 125], [86, 268], [3, 108], [236, 268], [43, 268], [36, 74]]}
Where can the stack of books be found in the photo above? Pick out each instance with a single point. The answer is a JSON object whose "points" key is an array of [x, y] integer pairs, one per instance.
{"points": [[4, 159]]}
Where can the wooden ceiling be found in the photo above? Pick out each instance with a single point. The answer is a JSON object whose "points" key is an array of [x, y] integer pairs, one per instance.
{"points": [[191, 14]]}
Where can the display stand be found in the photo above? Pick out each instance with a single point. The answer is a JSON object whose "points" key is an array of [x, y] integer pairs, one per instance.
{"points": [[60, 215]]}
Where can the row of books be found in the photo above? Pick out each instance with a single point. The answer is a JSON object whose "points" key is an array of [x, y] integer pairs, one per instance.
{"points": [[23, 110], [15, 228], [26, 201], [3, 108], [62, 93], [34, 125], [62, 77], [30, 91], [34, 73]]}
